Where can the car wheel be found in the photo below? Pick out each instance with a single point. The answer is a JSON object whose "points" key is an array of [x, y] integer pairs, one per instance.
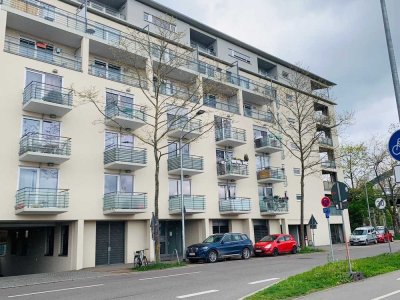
{"points": [[192, 261], [375, 241], [245, 253], [275, 252], [212, 256], [294, 250]]}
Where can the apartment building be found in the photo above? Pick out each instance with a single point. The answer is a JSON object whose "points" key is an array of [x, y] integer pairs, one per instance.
{"points": [[77, 192]]}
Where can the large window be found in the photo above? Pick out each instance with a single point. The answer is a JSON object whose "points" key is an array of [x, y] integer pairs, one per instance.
{"points": [[116, 139], [262, 162], [265, 191], [34, 178], [227, 191], [173, 149], [36, 49], [107, 70], [175, 187], [118, 184]]}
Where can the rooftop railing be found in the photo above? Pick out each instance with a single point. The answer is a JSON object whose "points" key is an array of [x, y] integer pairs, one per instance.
{"points": [[47, 93], [221, 105], [191, 202], [120, 153], [45, 143], [41, 198], [13, 45], [202, 48], [121, 200], [235, 205]]}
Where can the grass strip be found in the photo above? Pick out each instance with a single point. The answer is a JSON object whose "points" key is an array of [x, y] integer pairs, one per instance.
{"points": [[159, 266], [327, 276], [309, 250]]}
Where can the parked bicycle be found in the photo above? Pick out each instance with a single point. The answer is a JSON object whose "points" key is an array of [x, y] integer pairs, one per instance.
{"points": [[140, 259]]}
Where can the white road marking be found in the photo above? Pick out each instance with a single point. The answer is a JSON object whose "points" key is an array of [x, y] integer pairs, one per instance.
{"points": [[387, 295], [264, 280], [398, 278], [174, 275], [197, 294], [59, 290]]}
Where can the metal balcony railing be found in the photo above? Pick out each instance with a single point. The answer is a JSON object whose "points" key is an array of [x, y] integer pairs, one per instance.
{"points": [[229, 168], [190, 162], [259, 114], [120, 200], [125, 110], [48, 93], [45, 144], [235, 204], [321, 118], [179, 93], [267, 142], [230, 133], [331, 164], [271, 173], [202, 48], [182, 124], [221, 105], [117, 76], [41, 198], [13, 45], [191, 202], [273, 205], [325, 141], [119, 153], [264, 89], [106, 9], [328, 185]]}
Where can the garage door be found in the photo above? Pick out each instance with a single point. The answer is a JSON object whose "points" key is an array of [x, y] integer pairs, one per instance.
{"points": [[110, 243]]}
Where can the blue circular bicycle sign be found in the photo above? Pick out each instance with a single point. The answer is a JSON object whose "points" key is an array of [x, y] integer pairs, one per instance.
{"points": [[394, 145]]}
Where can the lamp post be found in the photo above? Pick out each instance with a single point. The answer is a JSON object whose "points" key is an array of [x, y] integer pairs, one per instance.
{"points": [[198, 113]]}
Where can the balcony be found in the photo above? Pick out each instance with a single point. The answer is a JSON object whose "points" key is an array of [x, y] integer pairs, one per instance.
{"points": [[183, 128], [234, 206], [267, 145], [322, 119], [119, 203], [271, 175], [194, 204], [221, 105], [328, 164], [325, 141], [106, 9], [203, 48], [47, 99], [13, 46], [257, 92], [125, 115], [328, 185], [230, 137], [32, 201], [232, 171], [191, 165], [44, 148], [120, 157], [117, 76], [273, 206], [179, 93], [259, 114]]}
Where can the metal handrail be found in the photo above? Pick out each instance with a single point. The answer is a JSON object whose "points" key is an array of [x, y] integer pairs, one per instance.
{"points": [[235, 204], [124, 153], [258, 114], [12, 45], [221, 105], [230, 133], [122, 200], [125, 110], [106, 9], [180, 93], [117, 76], [48, 93], [271, 172], [41, 198], [45, 143], [273, 205], [182, 123], [188, 161], [191, 202]]}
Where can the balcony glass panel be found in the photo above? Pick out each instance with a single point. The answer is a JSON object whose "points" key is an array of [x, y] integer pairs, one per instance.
{"points": [[267, 142], [328, 164], [121, 200], [272, 173], [117, 76], [47, 93], [325, 141], [41, 198], [189, 162], [230, 133], [125, 154], [125, 110], [258, 114], [273, 205], [229, 168], [45, 143], [191, 202], [221, 105], [234, 204]]}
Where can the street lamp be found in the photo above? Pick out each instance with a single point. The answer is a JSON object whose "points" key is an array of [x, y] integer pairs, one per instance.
{"points": [[198, 113]]}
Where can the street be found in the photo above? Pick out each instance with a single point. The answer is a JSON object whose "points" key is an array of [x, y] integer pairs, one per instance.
{"points": [[223, 280]]}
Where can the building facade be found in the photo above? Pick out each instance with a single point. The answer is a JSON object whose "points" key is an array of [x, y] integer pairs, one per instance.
{"points": [[77, 192]]}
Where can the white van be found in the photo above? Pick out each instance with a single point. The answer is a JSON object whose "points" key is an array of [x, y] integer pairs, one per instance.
{"points": [[363, 235]]}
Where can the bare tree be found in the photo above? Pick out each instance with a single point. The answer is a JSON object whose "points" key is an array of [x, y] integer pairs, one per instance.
{"points": [[303, 122], [353, 162], [166, 74]]}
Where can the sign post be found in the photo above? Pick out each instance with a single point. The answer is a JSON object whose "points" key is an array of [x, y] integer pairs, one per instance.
{"points": [[381, 205], [313, 225], [326, 203]]}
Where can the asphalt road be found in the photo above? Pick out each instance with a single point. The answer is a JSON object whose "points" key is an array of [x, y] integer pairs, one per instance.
{"points": [[223, 280]]}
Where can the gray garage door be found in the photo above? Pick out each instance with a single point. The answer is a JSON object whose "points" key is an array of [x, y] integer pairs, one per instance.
{"points": [[110, 243]]}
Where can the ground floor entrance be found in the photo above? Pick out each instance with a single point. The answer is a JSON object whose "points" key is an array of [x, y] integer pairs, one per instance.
{"points": [[337, 233], [170, 239], [110, 243], [261, 229]]}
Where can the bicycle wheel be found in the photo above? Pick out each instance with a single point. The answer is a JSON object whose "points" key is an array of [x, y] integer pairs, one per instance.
{"points": [[145, 262], [136, 262]]}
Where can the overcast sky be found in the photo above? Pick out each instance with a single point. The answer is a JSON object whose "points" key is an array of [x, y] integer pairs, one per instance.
{"points": [[341, 40]]}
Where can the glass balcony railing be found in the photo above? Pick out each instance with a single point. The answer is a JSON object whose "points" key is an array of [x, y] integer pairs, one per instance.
{"points": [[235, 205], [272, 205], [14, 46], [182, 124], [190, 162], [221, 105], [258, 114], [119, 153], [274, 174], [202, 48], [47, 93], [45, 144], [106, 9], [179, 93], [121, 200], [328, 164], [255, 87], [117, 76], [41, 198], [230, 133], [325, 141], [322, 119], [229, 168], [267, 142], [125, 110], [191, 203]]}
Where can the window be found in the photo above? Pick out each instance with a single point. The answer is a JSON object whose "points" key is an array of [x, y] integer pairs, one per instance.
{"points": [[64, 237], [175, 187], [220, 226], [227, 191], [238, 55], [173, 149], [36, 49], [262, 162], [298, 197], [49, 242], [289, 97], [224, 155], [106, 70], [296, 171], [265, 192], [124, 103], [34, 178], [116, 139], [118, 184], [159, 22], [44, 86], [50, 130]]}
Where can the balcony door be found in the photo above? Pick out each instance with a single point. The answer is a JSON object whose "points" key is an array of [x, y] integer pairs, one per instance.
{"points": [[44, 133], [223, 127], [175, 187], [174, 151], [44, 86], [265, 192], [122, 184], [115, 139], [262, 162], [226, 191]]}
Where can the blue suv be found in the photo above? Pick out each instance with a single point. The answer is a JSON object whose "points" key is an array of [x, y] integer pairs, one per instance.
{"points": [[218, 246]]}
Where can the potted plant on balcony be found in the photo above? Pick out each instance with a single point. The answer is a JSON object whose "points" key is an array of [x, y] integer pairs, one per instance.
{"points": [[246, 159]]}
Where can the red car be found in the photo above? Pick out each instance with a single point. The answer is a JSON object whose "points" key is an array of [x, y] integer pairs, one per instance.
{"points": [[383, 235], [275, 244]]}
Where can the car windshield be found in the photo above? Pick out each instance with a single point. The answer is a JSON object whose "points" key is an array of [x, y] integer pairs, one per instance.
{"points": [[269, 238], [359, 232], [213, 239], [381, 231]]}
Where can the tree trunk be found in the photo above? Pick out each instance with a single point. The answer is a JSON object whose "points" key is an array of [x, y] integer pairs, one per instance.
{"points": [[302, 233], [156, 195]]}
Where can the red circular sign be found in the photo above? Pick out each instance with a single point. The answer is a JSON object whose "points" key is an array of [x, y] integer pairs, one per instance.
{"points": [[326, 202]]}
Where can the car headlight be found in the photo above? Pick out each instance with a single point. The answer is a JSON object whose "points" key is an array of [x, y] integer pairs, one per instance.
{"points": [[268, 246], [204, 248]]}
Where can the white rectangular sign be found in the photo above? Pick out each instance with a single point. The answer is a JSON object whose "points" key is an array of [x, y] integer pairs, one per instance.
{"points": [[397, 173]]}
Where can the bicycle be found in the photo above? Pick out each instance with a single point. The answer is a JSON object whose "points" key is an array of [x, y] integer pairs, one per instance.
{"points": [[140, 259]]}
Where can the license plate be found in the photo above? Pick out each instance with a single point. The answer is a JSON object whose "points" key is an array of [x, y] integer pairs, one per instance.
{"points": [[258, 250], [192, 254]]}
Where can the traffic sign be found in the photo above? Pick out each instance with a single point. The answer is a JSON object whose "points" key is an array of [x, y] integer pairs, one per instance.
{"points": [[327, 212], [340, 192], [325, 202], [396, 172], [313, 222], [380, 203], [394, 145]]}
